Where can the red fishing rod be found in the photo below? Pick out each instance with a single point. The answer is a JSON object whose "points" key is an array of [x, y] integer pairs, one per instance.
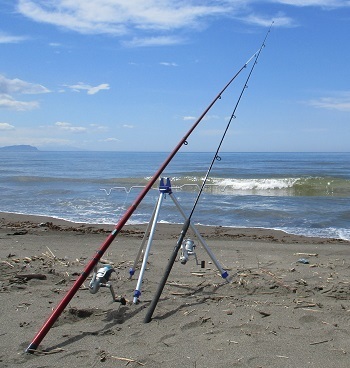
{"points": [[93, 262]]}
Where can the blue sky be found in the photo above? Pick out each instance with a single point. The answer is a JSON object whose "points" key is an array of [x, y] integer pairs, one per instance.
{"points": [[134, 75]]}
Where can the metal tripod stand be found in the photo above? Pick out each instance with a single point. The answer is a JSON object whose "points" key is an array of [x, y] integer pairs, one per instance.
{"points": [[164, 189]]}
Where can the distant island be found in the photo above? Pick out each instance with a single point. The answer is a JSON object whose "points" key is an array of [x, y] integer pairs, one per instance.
{"points": [[19, 148]]}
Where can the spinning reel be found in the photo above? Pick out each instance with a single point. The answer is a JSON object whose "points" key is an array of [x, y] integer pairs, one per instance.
{"points": [[100, 278], [187, 250]]}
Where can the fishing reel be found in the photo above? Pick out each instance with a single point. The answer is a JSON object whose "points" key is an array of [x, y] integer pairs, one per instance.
{"points": [[187, 250], [100, 278]]}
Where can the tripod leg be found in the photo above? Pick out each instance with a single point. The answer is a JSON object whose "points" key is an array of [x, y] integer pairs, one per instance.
{"points": [[223, 273], [133, 268], [137, 291]]}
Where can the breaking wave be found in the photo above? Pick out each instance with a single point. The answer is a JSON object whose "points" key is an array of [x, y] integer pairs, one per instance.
{"points": [[310, 186]]}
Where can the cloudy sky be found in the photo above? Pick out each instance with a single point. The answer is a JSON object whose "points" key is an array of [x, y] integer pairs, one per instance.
{"points": [[134, 75]]}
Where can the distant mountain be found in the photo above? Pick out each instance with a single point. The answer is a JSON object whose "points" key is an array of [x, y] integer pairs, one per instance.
{"points": [[19, 148]]}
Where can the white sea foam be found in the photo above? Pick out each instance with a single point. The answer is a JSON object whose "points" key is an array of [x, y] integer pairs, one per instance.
{"points": [[255, 184]]}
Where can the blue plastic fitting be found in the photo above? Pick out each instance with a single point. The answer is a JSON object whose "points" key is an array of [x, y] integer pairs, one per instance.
{"points": [[137, 293], [224, 275]]}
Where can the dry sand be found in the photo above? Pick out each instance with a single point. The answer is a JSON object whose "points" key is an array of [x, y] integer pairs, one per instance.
{"points": [[276, 312]]}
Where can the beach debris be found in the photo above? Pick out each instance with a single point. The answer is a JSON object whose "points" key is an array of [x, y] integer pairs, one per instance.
{"points": [[340, 349], [264, 314], [301, 282], [104, 355], [307, 254], [29, 276], [188, 312], [278, 280], [204, 319], [61, 282], [303, 261], [8, 263], [106, 261], [303, 304], [20, 232], [49, 254], [128, 360], [320, 342], [199, 274], [23, 305]]}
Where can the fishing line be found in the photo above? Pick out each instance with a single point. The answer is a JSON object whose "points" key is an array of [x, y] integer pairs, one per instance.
{"points": [[186, 224], [216, 156]]}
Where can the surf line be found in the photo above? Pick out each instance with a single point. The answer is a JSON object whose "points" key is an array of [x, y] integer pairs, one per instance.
{"points": [[104, 246], [187, 222]]}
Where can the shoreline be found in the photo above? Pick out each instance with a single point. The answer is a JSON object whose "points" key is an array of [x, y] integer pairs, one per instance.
{"points": [[276, 311], [9, 219]]}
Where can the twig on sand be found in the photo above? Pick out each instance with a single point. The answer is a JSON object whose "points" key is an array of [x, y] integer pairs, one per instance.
{"points": [[8, 263], [49, 254], [264, 314], [302, 304], [188, 312], [306, 254], [277, 279], [320, 342], [106, 261], [127, 360]]}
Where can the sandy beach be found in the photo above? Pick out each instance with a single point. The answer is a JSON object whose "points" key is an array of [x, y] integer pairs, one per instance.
{"points": [[288, 304]]}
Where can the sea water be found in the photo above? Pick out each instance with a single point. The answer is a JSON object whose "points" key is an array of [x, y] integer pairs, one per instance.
{"points": [[299, 193]]}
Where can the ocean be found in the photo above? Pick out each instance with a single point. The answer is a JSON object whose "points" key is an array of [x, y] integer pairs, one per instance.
{"points": [[299, 193]]}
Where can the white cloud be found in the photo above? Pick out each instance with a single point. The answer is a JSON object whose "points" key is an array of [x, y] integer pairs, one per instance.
{"points": [[168, 64], [207, 117], [69, 127], [87, 17], [143, 22], [10, 86], [99, 128], [279, 20], [120, 16], [159, 19], [340, 102], [128, 126], [111, 140], [6, 126], [91, 90], [319, 3], [8, 102], [153, 41], [7, 38]]}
